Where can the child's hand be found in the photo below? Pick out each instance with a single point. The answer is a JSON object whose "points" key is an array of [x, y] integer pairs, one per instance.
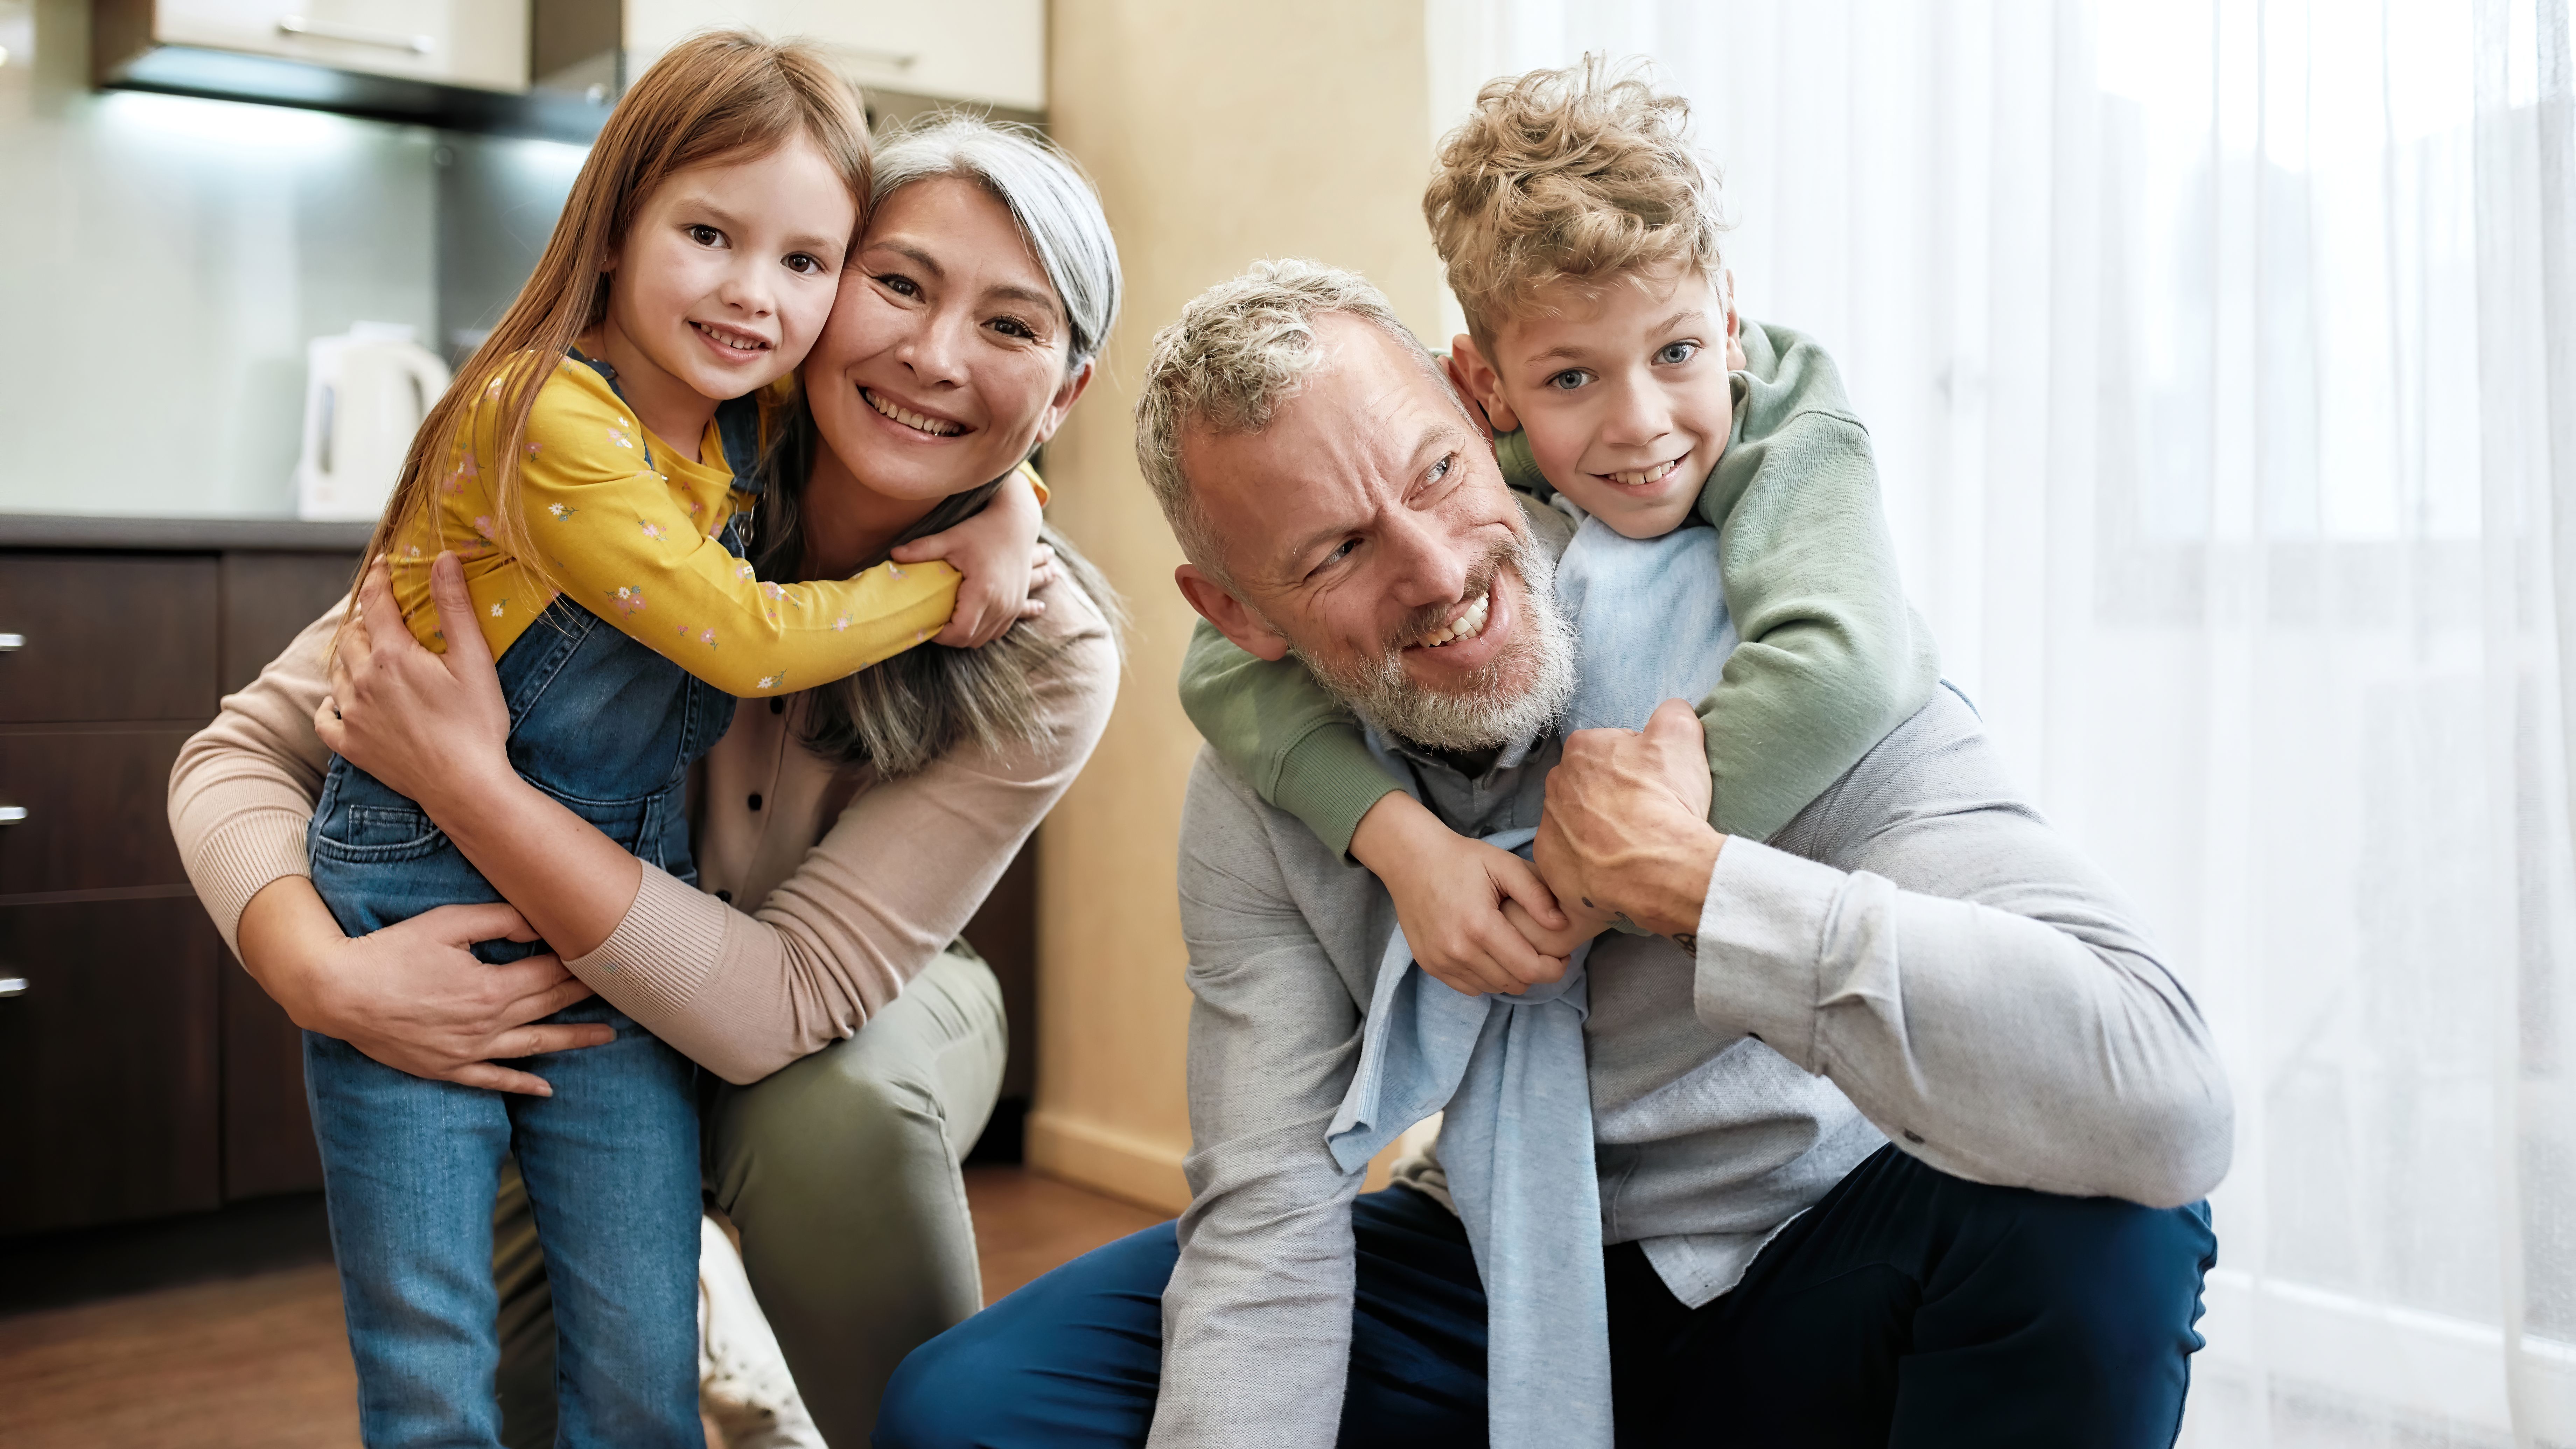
{"points": [[1580, 926], [998, 552], [1469, 911]]}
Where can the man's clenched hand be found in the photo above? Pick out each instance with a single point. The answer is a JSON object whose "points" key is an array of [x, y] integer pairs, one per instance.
{"points": [[1626, 831]]}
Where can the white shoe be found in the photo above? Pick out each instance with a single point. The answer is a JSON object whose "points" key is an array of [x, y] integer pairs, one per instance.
{"points": [[743, 1383]]}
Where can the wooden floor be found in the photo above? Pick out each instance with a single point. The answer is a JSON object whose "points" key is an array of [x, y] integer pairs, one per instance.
{"points": [[262, 1361], [1026, 1224]]}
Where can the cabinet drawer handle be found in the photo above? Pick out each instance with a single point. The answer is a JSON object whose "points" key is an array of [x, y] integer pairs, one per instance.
{"points": [[12, 814], [13, 985], [354, 35], [12, 641]]}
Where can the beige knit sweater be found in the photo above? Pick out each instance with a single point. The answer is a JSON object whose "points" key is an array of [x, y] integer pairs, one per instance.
{"points": [[814, 907]]}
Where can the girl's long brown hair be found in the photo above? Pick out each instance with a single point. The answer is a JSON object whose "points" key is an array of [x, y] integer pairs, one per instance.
{"points": [[716, 96]]}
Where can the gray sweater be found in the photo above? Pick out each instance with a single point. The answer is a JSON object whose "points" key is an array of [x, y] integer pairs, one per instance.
{"points": [[1917, 956]]}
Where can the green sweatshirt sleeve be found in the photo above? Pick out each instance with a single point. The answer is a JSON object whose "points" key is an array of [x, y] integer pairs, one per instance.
{"points": [[1295, 743], [1832, 657]]}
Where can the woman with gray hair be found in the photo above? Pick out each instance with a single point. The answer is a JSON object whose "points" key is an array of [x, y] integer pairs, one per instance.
{"points": [[843, 835]]}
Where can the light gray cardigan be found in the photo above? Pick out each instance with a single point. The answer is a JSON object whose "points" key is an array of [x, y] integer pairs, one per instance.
{"points": [[1918, 957]]}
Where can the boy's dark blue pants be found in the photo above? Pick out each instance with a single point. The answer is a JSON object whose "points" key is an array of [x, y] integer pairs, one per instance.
{"points": [[1908, 1308]]}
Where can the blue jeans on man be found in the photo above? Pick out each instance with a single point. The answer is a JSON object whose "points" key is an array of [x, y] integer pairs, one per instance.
{"points": [[1907, 1308]]}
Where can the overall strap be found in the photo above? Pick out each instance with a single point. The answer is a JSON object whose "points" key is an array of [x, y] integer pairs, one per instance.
{"points": [[608, 374]]}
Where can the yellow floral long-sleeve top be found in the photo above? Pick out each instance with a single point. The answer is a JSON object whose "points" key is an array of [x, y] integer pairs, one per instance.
{"points": [[632, 537]]}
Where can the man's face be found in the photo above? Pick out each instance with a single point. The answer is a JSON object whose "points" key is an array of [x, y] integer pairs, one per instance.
{"points": [[1369, 531]]}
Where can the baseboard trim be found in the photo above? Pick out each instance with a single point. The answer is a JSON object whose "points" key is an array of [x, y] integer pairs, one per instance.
{"points": [[1106, 1160]]}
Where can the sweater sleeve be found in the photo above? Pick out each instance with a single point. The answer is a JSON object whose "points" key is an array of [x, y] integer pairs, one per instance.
{"points": [[1283, 732], [1968, 979], [619, 542], [1257, 1315], [1832, 657], [242, 790], [888, 888]]}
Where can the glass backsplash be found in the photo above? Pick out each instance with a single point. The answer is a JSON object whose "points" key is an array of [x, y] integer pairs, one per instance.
{"points": [[165, 261]]}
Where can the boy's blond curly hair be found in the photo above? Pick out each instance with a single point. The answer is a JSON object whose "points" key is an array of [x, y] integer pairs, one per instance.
{"points": [[1581, 174]]}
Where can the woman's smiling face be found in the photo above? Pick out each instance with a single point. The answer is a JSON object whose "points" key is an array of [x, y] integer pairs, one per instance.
{"points": [[943, 363]]}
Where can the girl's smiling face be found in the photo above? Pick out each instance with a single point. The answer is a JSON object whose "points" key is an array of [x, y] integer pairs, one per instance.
{"points": [[729, 271], [943, 363]]}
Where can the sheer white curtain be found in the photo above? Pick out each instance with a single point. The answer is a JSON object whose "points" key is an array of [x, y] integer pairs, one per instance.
{"points": [[2221, 360]]}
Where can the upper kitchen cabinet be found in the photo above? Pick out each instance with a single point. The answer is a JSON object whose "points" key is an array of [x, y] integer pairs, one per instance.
{"points": [[992, 51], [468, 65], [477, 43]]}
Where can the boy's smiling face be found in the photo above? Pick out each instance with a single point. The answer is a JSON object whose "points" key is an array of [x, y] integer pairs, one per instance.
{"points": [[1622, 389]]}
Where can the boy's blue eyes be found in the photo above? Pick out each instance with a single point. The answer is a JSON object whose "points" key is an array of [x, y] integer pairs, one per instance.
{"points": [[1671, 354]]}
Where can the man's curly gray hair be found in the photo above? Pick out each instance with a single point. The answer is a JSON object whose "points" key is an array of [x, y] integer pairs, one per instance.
{"points": [[1226, 363]]}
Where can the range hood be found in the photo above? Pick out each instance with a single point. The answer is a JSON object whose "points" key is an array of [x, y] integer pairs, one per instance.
{"points": [[507, 67]]}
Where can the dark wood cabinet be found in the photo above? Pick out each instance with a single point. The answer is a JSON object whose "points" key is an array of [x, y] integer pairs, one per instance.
{"points": [[148, 1074], [108, 1063], [107, 637], [96, 802], [269, 596], [268, 1137]]}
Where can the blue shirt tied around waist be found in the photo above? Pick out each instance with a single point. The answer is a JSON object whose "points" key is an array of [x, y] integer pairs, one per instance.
{"points": [[1651, 625]]}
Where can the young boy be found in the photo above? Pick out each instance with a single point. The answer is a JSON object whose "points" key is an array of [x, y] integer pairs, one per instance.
{"points": [[1580, 235]]}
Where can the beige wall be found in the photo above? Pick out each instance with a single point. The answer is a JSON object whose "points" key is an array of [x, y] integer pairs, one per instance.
{"points": [[1219, 135]]}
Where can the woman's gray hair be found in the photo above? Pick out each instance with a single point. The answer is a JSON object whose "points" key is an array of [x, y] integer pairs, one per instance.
{"points": [[1048, 196], [909, 710]]}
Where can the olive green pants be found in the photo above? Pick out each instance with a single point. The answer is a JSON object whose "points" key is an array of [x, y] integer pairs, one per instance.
{"points": [[840, 1172]]}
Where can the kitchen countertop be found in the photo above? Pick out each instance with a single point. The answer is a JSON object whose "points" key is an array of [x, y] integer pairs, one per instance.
{"points": [[180, 535]]}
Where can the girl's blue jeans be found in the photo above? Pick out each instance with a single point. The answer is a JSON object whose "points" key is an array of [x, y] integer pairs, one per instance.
{"points": [[611, 1161], [410, 1166]]}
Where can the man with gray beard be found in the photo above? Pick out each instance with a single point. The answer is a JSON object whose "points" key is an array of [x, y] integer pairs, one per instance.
{"points": [[1899, 1121], [1512, 697]]}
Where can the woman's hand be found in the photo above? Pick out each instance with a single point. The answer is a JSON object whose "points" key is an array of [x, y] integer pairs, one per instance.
{"points": [[427, 725], [414, 996], [435, 728], [989, 549]]}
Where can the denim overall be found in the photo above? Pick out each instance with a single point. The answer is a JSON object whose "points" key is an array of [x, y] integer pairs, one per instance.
{"points": [[411, 1166]]}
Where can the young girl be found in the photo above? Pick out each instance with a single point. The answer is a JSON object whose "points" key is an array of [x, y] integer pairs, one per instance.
{"points": [[591, 468]]}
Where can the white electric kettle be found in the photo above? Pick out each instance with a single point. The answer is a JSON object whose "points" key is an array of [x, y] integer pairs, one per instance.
{"points": [[365, 394]]}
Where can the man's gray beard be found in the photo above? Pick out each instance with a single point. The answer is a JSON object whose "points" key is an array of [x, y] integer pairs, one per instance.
{"points": [[1481, 716]]}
